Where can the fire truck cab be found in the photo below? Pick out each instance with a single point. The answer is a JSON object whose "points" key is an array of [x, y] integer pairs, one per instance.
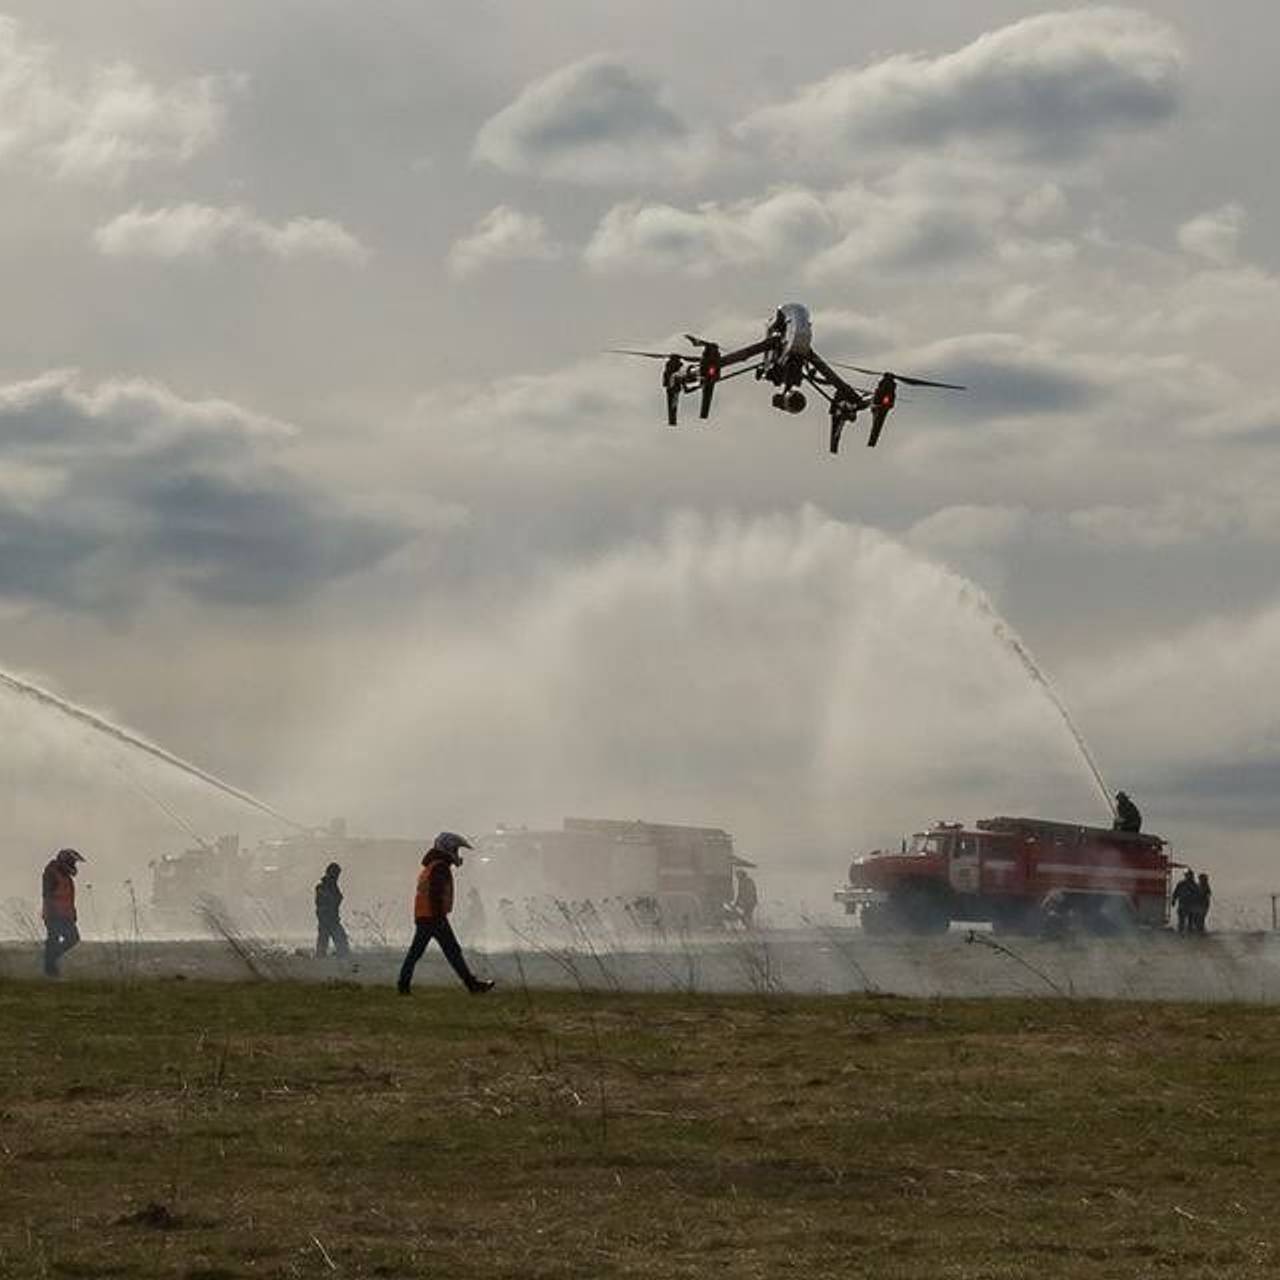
{"points": [[1023, 875]]}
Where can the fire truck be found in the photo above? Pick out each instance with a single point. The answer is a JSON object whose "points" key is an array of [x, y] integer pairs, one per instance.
{"points": [[1023, 875], [682, 874]]}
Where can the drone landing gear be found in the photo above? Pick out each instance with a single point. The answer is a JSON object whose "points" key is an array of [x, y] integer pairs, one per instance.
{"points": [[708, 390], [841, 415], [878, 416], [673, 404]]}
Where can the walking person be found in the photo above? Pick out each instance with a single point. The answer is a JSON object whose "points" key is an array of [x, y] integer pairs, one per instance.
{"points": [[432, 904], [1183, 899], [328, 915], [58, 894]]}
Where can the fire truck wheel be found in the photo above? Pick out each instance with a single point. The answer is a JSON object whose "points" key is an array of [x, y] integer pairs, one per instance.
{"points": [[1021, 920], [875, 919], [921, 912]]}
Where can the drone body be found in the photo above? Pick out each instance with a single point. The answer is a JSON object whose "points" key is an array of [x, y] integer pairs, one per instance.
{"points": [[786, 359]]}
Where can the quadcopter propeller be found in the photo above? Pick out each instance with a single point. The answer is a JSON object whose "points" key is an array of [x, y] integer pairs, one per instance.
{"points": [[651, 355], [899, 377]]}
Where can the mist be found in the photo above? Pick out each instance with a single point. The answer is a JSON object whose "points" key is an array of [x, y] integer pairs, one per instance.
{"points": [[810, 685]]}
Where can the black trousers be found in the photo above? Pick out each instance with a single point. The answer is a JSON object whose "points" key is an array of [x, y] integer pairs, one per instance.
{"points": [[60, 937], [442, 931], [331, 931]]}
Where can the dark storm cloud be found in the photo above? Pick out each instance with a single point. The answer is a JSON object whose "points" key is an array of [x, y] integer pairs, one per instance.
{"points": [[1005, 376], [1045, 87], [112, 487], [1241, 793]]}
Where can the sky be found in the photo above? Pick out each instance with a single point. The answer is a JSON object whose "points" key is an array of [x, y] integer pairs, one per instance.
{"points": [[314, 470]]}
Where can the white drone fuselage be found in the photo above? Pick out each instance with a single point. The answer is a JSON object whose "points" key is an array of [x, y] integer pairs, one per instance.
{"points": [[790, 335], [797, 336]]}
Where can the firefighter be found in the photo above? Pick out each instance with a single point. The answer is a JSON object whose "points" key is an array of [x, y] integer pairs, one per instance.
{"points": [[328, 911], [58, 891], [1128, 816], [431, 906], [1203, 897], [1183, 900], [745, 900]]}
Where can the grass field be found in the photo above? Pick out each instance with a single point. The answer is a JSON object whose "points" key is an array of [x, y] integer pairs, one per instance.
{"points": [[184, 1129]]}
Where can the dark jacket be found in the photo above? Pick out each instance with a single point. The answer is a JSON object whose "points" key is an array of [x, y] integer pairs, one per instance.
{"points": [[1184, 895], [1204, 895], [58, 891], [328, 898], [1128, 815]]}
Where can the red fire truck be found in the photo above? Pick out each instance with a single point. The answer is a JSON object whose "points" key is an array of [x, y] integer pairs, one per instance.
{"points": [[1024, 875]]}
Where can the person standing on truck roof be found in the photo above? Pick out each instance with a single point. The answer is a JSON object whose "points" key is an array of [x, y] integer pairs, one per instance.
{"points": [[1128, 815], [431, 906], [1183, 899], [58, 897], [328, 912], [1203, 896]]}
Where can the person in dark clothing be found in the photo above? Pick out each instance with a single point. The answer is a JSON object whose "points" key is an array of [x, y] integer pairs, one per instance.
{"points": [[328, 912], [432, 904], [1128, 815], [746, 899], [58, 899], [1183, 900], [1203, 896]]}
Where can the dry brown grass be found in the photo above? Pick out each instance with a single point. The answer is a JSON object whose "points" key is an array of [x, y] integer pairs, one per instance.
{"points": [[189, 1130]]}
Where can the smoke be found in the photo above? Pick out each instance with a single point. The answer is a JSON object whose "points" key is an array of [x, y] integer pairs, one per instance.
{"points": [[810, 685]]}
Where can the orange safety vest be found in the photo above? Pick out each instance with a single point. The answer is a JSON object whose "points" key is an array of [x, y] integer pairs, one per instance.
{"points": [[434, 897], [59, 893]]}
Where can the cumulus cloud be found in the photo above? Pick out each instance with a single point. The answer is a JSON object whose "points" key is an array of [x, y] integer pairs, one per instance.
{"points": [[503, 235], [918, 218], [640, 237], [1043, 87], [1214, 236], [203, 231], [105, 126], [127, 483], [594, 121]]}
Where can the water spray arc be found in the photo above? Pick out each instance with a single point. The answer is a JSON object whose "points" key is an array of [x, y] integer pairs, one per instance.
{"points": [[1015, 644], [34, 693]]}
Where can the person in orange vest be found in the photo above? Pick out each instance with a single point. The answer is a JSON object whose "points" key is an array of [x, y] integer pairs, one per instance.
{"points": [[58, 890], [431, 906]]}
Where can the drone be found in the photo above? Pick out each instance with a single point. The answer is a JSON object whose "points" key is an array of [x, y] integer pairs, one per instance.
{"points": [[784, 358]]}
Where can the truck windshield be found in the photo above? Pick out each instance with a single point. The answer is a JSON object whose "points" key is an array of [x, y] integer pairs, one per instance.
{"points": [[925, 842]]}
